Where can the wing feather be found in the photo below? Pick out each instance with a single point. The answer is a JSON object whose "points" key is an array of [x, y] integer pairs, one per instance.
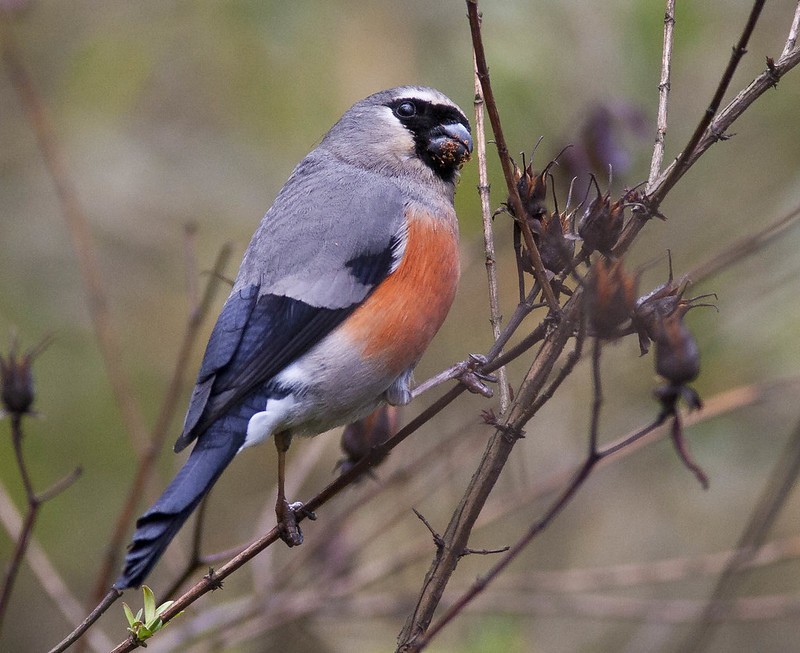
{"points": [[318, 253]]}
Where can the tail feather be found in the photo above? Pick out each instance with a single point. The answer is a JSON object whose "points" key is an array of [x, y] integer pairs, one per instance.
{"points": [[156, 528]]}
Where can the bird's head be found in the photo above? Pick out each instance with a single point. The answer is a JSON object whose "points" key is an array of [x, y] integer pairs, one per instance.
{"points": [[404, 130]]}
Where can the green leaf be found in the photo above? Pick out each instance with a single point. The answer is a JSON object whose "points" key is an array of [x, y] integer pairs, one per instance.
{"points": [[149, 604], [128, 614]]}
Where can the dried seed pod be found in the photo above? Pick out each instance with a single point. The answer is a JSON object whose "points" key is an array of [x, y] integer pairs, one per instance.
{"points": [[555, 248], [532, 189], [602, 222], [661, 302], [16, 379], [360, 437], [677, 356], [611, 298]]}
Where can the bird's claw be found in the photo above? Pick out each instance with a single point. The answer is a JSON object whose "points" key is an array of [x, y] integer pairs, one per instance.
{"points": [[473, 379], [287, 522], [300, 507]]}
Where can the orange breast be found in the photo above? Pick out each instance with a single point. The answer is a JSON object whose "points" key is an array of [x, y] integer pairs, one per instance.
{"points": [[399, 319]]}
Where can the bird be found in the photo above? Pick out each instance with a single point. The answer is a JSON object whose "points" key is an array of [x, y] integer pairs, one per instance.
{"points": [[346, 280]]}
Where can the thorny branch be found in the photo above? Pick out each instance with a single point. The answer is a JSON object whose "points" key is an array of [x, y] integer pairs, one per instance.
{"points": [[413, 637]]}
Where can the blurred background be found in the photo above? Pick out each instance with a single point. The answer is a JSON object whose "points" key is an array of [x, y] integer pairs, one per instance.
{"points": [[177, 113]]}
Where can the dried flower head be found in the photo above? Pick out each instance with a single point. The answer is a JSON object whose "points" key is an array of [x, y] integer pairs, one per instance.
{"points": [[360, 437], [16, 378], [555, 248], [677, 356], [611, 298], [602, 222]]}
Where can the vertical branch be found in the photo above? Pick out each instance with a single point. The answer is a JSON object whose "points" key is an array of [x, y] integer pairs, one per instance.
{"points": [[78, 227], [495, 318], [663, 94], [597, 402], [495, 457], [685, 158], [505, 160]]}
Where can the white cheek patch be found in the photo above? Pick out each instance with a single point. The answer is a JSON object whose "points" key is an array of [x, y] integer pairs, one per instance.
{"points": [[275, 415], [394, 138]]}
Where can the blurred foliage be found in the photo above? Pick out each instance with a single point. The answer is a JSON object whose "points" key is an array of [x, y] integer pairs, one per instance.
{"points": [[177, 112]]}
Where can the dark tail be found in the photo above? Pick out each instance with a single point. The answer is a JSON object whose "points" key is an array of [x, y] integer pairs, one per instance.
{"points": [[156, 528]]}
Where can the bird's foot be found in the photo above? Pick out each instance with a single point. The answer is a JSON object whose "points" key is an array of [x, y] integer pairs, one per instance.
{"points": [[287, 521]]}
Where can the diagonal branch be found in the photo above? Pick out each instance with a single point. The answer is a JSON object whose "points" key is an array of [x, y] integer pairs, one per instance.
{"points": [[78, 226], [772, 500], [684, 160], [146, 465]]}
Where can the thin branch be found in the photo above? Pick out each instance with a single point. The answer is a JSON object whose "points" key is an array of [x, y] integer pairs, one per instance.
{"points": [[505, 160], [746, 246], [718, 126], [109, 599], [78, 226], [422, 640], [663, 93], [791, 41], [494, 459], [773, 498], [495, 317], [597, 401], [684, 160], [35, 502], [172, 396], [47, 575]]}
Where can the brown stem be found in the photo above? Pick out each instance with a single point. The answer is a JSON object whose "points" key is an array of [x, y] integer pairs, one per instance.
{"points": [[684, 159], [455, 538], [495, 317], [505, 160], [663, 92], [558, 505], [146, 465], [78, 226], [93, 616], [35, 502], [597, 401]]}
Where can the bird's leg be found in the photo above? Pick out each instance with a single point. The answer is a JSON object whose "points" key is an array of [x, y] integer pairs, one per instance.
{"points": [[287, 520]]}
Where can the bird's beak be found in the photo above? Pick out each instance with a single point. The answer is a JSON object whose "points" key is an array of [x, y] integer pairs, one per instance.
{"points": [[452, 144]]}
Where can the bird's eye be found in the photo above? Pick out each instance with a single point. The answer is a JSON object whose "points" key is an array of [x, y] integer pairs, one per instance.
{"points": [[406, 110]]}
